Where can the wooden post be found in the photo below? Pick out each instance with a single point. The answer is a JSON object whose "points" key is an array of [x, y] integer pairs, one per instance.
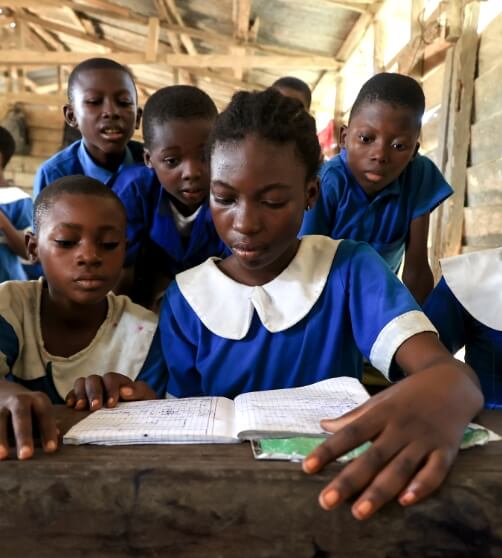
{"points": [[152, 47], [464, 65]]}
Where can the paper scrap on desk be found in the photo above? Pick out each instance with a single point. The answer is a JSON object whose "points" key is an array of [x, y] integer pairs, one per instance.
{"points": [[296, 449]]}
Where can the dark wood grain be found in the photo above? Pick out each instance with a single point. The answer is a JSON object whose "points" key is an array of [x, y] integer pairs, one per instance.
{"points": [[216, 501]]}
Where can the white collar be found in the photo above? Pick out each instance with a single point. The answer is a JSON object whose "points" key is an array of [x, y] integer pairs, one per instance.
{"points": [[226, 307], [10, 194], [476, 281]]}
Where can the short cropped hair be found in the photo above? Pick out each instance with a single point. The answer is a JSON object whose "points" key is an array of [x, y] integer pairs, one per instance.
{"points": [[274, 117], [175, 102], [96, 64], [7, 146], [77, 184], [395, 89], [296, 84]]}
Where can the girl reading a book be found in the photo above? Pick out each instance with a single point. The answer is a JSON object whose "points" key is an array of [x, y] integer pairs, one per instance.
{"points": [[282, 312]]}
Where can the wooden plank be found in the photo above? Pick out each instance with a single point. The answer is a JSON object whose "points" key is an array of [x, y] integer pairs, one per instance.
{"points": [[52, 135], [483, 225], [487, 92], [432, 85], [484, 184], [460, 123], [490, 46], [429, 133], [486, 142], [50, 99], [44, 118], [25, 163], [152, 48], [42, 148]]}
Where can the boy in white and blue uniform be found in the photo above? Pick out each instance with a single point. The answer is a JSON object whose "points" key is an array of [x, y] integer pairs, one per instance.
{"points": [[15, 216], [103, 106], [169, 226], [281, 312], [378, 189], [466, 308]]}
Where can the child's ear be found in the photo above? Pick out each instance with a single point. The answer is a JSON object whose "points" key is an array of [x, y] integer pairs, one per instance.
{"points": [[312, 193], [342, 135], [417, 147], [139, 114], [69, 116], [147, 158], [31, 244]]}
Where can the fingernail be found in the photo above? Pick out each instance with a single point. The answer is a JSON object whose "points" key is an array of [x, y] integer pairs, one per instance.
{"points": [[4, 452], [311, 464], [24, 452], [364, 509], [111, 401], [51, 445], [407, 498], [126, 391], [94, 403], [80, 404], [329, 499]]}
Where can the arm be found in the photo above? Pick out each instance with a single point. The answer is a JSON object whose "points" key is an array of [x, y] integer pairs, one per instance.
{"points": [[15, 238], [417, 274], [415, 425]]}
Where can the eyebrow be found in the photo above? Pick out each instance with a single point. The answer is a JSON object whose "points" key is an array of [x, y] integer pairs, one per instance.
{"points": [[262, 189], [77, 227]]}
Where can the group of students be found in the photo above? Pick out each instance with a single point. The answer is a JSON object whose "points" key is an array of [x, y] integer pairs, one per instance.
{"points": [[230, 214]]}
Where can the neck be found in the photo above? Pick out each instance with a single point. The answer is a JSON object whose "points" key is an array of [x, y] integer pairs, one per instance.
{"points": [[109, 161], [71, 314]]}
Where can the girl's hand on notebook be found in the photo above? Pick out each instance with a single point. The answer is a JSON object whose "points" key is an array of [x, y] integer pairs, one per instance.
{"points": [[22, 407], [415, 427], [95, 391]]}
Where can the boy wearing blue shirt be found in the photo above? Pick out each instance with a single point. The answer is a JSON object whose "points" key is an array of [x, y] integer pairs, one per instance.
{"points": [[466, 308], [15, 216], [103, 106], [378, 189], [169, 226]]}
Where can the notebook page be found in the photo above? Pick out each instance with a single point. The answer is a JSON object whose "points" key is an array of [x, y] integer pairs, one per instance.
{"points": [[295, 411], [191, 420]]}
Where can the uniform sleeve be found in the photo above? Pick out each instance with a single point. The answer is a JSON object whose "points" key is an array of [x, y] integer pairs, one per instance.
{"points": [[180, 352], [447, 315], [321, 218], [432, 188], [382, 311], [131, 192], [40, 181], [23, 214], [154, 370]]}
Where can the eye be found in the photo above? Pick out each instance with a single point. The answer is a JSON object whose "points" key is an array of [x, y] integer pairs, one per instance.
{"points": [[399, 146], [364, 138], [110, 245], [92, 101], [222, 200], [61, 243], [274, 204], [126, 102], [171, 162]]}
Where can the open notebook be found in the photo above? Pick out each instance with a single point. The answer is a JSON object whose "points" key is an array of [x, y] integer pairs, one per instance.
{"points": [[259, 414]]}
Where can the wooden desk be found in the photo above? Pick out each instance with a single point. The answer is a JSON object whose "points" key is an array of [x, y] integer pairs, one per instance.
{"points": [[216, 501]]}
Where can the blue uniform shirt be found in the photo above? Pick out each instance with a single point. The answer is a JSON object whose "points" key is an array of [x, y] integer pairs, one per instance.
{"points": [[149, 217], [335, 300], [459, 326], [343, 209], [18, 208], [74, 159]]}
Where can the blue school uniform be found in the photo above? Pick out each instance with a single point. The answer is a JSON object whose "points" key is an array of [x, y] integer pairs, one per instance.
{"points": [[335, 300], [466, 308], [127, 342], [74, 159], [344, 210], [149, 218], [18, 208]]}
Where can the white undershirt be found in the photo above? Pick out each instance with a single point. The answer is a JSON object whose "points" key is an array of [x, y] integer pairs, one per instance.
{"points": [[183, 224]]}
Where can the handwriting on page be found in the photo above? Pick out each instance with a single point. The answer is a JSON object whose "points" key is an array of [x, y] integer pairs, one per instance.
{"points": [[298, 410]]}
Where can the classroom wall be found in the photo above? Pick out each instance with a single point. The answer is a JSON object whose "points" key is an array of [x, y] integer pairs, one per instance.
{"points": [[483, 210]]}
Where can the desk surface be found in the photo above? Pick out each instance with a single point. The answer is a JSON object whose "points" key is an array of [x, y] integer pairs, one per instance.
{"points": [[217, 501]]}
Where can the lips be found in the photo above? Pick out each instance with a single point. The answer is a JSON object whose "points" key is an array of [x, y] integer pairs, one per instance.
{"points": [[90, 282], [193, 193], [374, 176], [112, 132], [247, 251]]}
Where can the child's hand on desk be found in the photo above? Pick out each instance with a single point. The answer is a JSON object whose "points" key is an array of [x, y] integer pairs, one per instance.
{"points": [[415, 427], [94, 391], [22, 408]]}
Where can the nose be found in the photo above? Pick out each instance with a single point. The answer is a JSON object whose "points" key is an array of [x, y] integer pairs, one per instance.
{"points": [[89, 254], [379, 152], [192, 170], [110, 108], [246, 219]]}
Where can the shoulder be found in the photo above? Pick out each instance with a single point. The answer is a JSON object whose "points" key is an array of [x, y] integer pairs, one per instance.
{"points": [[136, 149], [421, 168], [17, 298], [137, 174], [63, 160], [333, 168], [131, 318]]}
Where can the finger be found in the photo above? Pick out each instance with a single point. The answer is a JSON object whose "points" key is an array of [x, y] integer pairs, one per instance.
{"points": [[94, 391], [350, 436], [4, 436], [20, 409], [335, 425], [429, 477], [80, 394], [137, 391], [359, 473], [71, 399], [43, 411], [112, 383]]}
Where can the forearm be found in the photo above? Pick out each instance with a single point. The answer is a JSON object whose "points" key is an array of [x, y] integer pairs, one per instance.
{"points": [[419, 282], [15, 238]]}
